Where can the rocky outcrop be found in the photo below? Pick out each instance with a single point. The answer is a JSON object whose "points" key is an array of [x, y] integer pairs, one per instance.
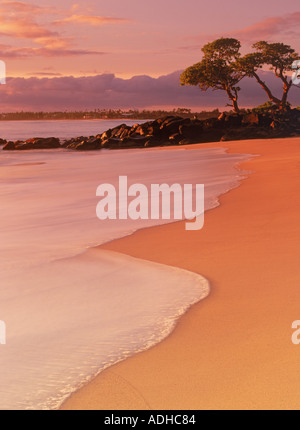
{"points": [[174, 130], [35, 143]]}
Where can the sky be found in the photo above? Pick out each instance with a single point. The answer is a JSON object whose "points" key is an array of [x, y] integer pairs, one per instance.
{"points": [[44, 40]]}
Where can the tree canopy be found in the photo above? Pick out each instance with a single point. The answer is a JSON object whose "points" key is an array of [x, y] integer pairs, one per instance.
{"points": [[222, 68]]}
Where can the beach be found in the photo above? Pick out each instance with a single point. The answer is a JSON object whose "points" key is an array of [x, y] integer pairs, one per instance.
{"points": [[70, 310], [232, 350]]}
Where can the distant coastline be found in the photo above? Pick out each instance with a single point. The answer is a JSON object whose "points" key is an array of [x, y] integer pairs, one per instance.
{"points": [[104, 114]]}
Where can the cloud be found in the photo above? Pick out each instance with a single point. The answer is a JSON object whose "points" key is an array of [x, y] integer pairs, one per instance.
{"points": [[275, 28], [22, 7], [271, 27], [109, 91], [16, 20], [48, 74], [10, 52], [91, 19]]}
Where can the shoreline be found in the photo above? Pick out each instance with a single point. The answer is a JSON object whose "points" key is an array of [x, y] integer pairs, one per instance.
{"points": [[207, 364]]}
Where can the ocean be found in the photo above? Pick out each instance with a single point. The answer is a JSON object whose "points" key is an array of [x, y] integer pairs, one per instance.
{"points": [[72, 310], [63, 129]]}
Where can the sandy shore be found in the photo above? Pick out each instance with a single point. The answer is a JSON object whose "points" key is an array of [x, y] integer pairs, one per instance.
{"points": [[233, 350]]}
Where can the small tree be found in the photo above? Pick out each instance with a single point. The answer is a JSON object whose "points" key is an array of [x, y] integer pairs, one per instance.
{"points": [[218, 69], [280, 58]]}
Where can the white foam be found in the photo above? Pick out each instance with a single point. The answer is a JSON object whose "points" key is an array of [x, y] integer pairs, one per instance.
{"points": [[70, 312]]}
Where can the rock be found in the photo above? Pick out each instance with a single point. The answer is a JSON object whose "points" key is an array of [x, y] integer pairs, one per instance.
{"points": [[154, 141], [3, 142], [130, 142], [116, 131], [213, 123], [247, 133], [186, 142], [191, 131], [35, 143], [251, 119], [174, 139], [154, 130], [232, 120], [66, 143], [111, 143], [172, 127], [47, 143], [10, 146], [89, 145], [142, 129], [213, 135], [168, 119], [222, 116], [106, 135], [122, 132]]}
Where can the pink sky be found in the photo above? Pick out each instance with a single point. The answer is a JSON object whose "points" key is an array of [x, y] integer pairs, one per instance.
{"points": [[131, 37]]}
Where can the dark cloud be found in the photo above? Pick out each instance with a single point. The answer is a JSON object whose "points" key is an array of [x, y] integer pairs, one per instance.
{"points": [[108, 91]]}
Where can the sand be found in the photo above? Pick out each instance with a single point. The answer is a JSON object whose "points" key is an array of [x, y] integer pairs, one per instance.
{"points": [[232, 350]]}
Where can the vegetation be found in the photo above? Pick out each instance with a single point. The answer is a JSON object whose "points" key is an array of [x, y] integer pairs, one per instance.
{"points": [[107, 114], [222, 68], [218, 69]]}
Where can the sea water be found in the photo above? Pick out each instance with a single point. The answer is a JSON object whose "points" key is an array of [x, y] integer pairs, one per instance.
{"points": [[72, 310], [63, 129]]}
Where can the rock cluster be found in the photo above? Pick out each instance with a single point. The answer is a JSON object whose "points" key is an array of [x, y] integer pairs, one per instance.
{"points": [[35, 143], [174, 130]]}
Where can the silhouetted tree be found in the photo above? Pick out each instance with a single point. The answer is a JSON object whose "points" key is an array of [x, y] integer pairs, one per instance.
{"points": [[218, 69], [279, 57]]}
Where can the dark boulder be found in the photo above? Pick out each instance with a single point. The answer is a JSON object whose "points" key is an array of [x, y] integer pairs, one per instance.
{"points": [[155, 141], [232, 120], [258, 119], [111, 143], [168, 119], [213, 135], [10, 146], [36, 143], [92, 144], [106, 134], [123, 131], [142, 129], [191, 131], [247, 133], [212, 123], [251, 119], [174, 139], [172, 127], [138, 142], [46, 143]]}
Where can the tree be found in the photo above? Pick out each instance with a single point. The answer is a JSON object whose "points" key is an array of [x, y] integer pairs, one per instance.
{"points": [[218, 69], [279, 57]]}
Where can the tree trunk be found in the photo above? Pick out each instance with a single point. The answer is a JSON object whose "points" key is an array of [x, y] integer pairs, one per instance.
{"points": [[273, 99], [286, 89], [234, 100], [235, 105]]}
